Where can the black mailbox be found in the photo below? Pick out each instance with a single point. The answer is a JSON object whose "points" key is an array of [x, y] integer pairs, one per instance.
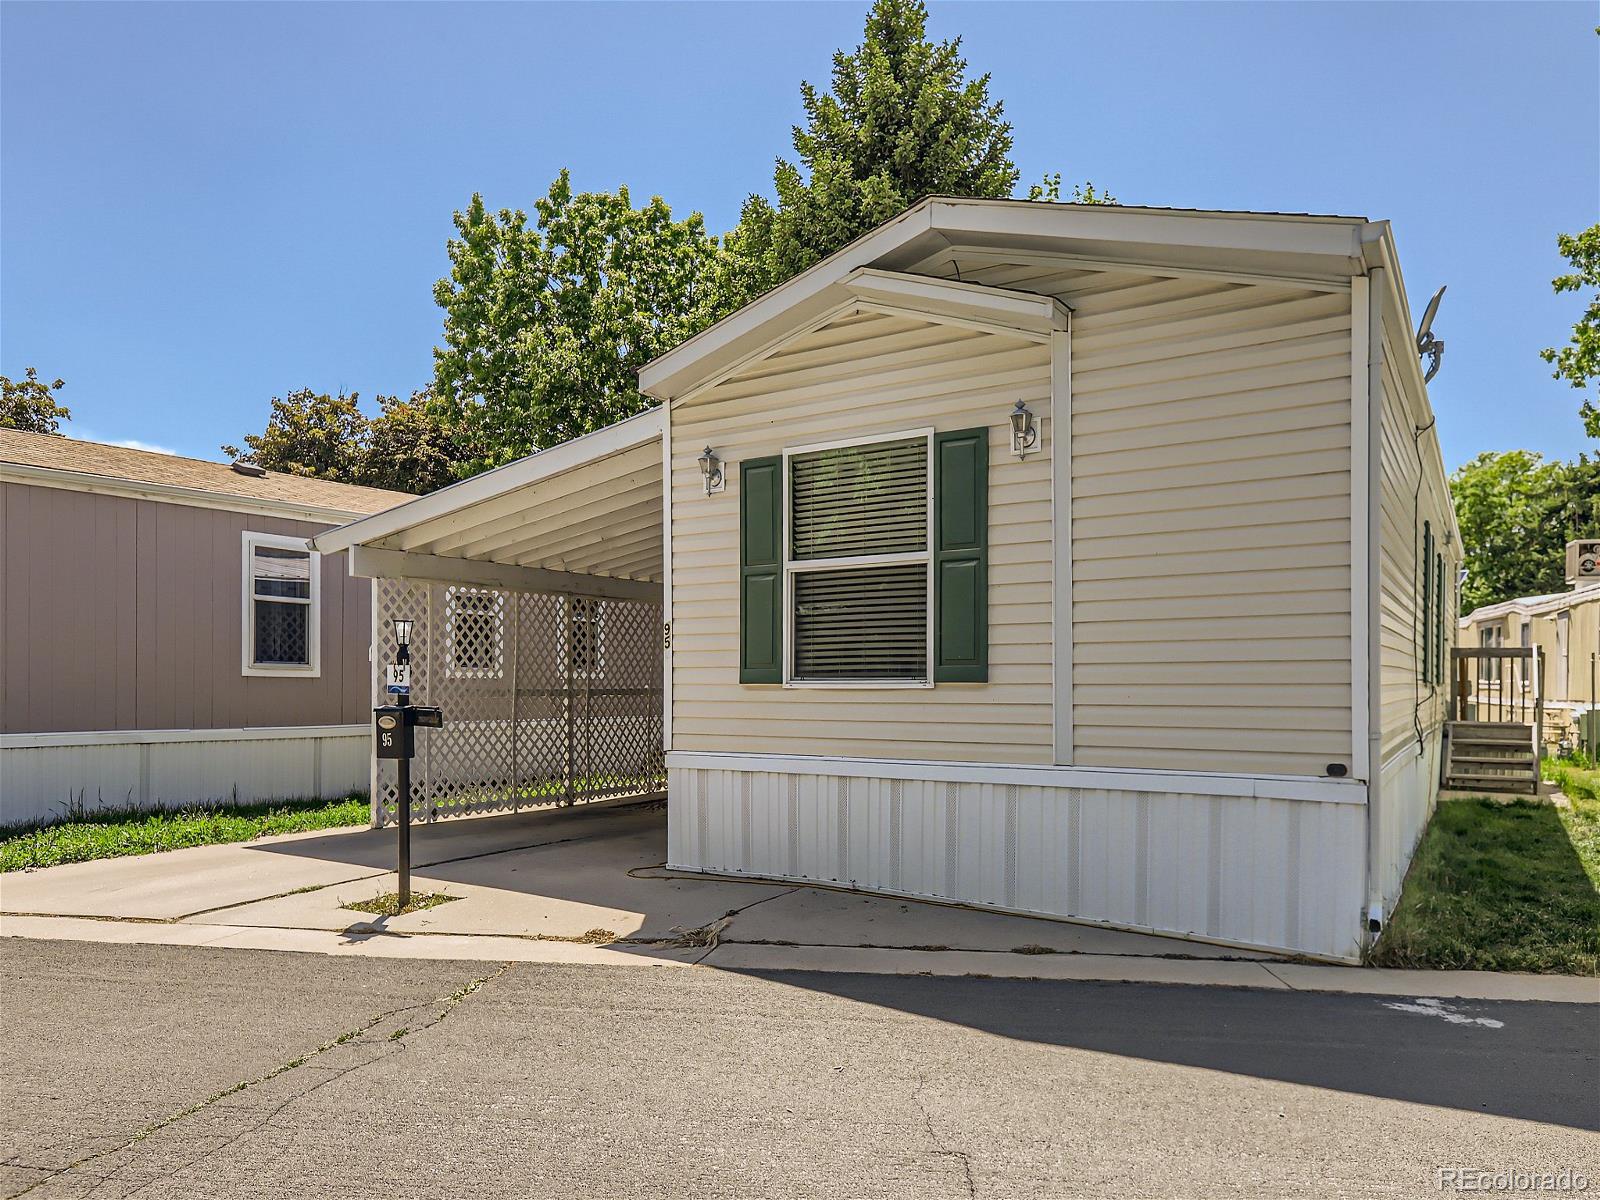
{"points": [[425, 717], [395, 739]]}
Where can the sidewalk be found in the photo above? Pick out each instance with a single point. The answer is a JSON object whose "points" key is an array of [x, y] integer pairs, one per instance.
{"points": [[585, 886]]}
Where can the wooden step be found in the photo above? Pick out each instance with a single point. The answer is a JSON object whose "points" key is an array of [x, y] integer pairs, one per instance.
{"points": [[1493, 783], [1506, 731], [1524, 761]]}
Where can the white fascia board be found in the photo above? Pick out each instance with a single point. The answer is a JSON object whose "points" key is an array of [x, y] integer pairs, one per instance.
{"points": [[1259, 233], [138, 489], [1189, 783], [591, 447], [1012, 311]]}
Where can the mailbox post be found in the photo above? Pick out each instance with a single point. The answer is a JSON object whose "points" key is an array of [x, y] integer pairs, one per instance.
{"points": [[394, 727]]}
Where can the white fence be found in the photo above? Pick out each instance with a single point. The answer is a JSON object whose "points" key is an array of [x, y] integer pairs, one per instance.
{"points": [[548, 698], [44, 776]]}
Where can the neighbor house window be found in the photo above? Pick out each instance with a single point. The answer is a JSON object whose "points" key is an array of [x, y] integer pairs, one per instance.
{"points": [[474, 633], [282, 610], [857, 569]]}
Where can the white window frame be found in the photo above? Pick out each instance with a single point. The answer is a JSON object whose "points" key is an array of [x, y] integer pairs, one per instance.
{"points": [[497, 647], [793, 567], [247, 598]]}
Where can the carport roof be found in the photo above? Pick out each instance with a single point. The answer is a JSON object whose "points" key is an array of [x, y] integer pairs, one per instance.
{"points": [[591, 506]]}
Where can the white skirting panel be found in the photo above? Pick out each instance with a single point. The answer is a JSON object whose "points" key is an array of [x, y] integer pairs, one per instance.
{"points": [[46, 776], [1252, 870], [1408, 789]]}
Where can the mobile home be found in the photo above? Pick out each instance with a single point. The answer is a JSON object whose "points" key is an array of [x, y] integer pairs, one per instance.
{"points": [[1095, 562]]}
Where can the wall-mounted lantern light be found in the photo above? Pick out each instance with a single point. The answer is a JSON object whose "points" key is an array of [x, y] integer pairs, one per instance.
{"points": [[402, 640], [711, 470], [1024, 431]]}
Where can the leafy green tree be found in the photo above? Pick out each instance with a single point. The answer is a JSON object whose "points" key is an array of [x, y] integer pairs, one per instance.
{"points": [[30, 405], [411, 446], [546, 326], [309, 433], [901, 122], [1578, 361], [1517, 512]]}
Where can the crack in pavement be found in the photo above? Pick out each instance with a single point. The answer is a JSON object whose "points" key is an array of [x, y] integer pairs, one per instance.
{"points": [[939, 1146], [392, 1044]]}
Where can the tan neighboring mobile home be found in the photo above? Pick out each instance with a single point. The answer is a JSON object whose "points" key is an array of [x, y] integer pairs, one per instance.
{"points": [[1565, 628], [1095, 562], [137, 664]]}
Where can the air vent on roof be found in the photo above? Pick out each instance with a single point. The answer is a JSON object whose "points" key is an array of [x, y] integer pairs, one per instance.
{"points": [[250, 469]]}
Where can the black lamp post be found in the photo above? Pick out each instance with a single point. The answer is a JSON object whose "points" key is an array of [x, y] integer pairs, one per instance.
{"points": [[396, 724]]}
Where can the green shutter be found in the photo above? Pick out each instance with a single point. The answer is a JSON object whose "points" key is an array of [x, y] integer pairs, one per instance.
{"points": [[960, 556], [1438, 620], [1427, 602], [761, 570]]}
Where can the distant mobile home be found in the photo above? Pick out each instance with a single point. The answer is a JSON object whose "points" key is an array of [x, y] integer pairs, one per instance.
{"points": [[1095, 562], [167, 638]]}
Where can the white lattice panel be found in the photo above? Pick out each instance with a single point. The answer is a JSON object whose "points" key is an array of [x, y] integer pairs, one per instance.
{"points": [[547, 699]]}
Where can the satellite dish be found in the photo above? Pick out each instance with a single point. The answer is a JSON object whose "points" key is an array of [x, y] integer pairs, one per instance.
{"points": [[1428, 346]]}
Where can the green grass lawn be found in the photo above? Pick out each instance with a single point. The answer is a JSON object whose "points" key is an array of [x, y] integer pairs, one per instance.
{"points": [[1503, 887], [113, 833]]}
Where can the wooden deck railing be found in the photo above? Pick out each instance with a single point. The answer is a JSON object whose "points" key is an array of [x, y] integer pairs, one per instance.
{"points": [[1502, 684]]}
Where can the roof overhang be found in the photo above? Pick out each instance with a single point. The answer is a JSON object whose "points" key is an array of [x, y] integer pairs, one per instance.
{"points": [[591, 507], [1265, 244]]}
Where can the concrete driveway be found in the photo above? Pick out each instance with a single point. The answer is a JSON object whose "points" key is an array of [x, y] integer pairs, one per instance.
{"points": [[586, 885]]}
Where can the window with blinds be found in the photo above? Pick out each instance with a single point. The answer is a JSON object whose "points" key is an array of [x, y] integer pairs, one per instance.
{"points": [[858, 563]]}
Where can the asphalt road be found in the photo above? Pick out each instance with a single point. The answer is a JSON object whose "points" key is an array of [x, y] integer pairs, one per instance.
{"points": [[167, 1071]]}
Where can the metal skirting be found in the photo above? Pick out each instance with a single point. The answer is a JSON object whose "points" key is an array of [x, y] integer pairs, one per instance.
{"points": [[548, 698], [1254, 871]]}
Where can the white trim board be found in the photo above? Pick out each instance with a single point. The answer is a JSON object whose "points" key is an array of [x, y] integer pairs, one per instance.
{"points": [[26, 475], [137, 737], [637, 430], [1273, 787]]}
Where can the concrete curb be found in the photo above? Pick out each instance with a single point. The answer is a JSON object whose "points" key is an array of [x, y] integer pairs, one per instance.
{"points": [[744, 956]]}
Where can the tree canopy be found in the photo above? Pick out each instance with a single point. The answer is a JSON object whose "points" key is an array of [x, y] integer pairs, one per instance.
{"points": [[1517, 512], [902, 121], [1578, 362], [546, 326], [30, 403], [404, 448]]}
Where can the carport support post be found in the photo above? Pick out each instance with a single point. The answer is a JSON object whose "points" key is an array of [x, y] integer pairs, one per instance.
{"points": [[403, 824]]}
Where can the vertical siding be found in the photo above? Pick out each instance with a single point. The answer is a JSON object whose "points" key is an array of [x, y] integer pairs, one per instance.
{"points": [[124, 614], [1258, 871], [859, 376]]}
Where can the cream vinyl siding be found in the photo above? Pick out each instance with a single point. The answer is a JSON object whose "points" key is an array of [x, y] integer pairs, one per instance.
{"points": [[1404, 694], [1210, 519], [858, 376]]}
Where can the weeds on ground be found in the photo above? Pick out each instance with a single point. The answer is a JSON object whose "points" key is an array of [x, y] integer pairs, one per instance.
{"points": [[113, 833], [388, 904], [1502, 887]]}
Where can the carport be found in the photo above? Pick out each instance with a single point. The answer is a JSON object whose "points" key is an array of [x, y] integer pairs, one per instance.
{"points": [[535, 592]]}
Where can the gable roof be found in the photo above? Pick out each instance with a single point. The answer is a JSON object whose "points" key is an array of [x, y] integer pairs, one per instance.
{"points": [[1266, 244], [37, 457]]}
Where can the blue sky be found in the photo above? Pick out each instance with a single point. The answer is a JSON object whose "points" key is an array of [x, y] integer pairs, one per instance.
{"points": [[204, 205]]}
